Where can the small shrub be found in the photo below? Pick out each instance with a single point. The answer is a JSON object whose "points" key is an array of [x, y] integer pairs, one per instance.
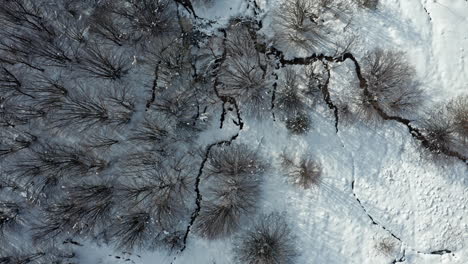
{"points": [[86, 209], [386, 246], [306, 173], [298, 124], [269, 241]]}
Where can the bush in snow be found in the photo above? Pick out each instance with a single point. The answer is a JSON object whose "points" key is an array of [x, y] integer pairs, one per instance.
{"points": [[298, 124], [289, 99], [458, 108], [306, 173], [269, 241], [391, 85]]}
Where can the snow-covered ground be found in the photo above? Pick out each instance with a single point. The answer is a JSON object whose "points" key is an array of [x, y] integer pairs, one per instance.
{"points": [[377, 184]]}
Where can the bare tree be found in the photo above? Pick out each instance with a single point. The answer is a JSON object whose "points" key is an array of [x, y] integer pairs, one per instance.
{"points": [[10, 215], [162, 191], [305, 173], [83, 110], [298, 22], [233, 160], [49, 93], [24, 13], [133, 230], [298, 123], [371, 4], [106, 24], [234, 191], [289, 98], [85, 211], [245, 73], [13, 140], [439, 129], [11, 84], [150, 17], [386, 246], [232, 198], [391, 84], [458, 108], [47, 165], [155, 130], [270, 241], [100, 63]]}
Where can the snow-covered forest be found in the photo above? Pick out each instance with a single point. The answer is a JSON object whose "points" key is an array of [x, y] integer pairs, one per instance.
{"points": [[233, 131]]}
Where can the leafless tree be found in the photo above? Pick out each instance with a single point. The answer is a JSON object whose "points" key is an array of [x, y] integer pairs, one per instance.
{"points": [[386, 246], [458, 108], [13, 140], [24, 13], [391, 83], [106, 24], [157, 131], [149, 17], [49, 93], [439, 130], [83, 110], [133, 230], [305, 173], [289, 98], [104, 64], [371, 4], [298, 123], [232, 197], [269, 241], [48, 164], [11, 84], [298, 22], [85, 211], [234, 191], [245, 74], [233, 160], [162, 191], [10, 215]]}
